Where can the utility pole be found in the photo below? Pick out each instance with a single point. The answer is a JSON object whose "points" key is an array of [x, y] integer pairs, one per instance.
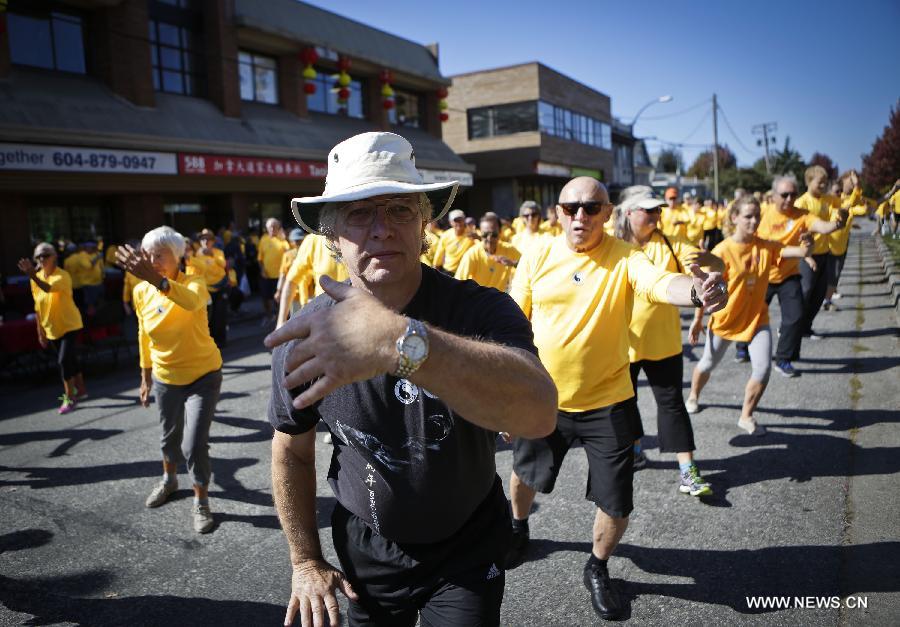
{"points": [[715, 149], [765, 129]]}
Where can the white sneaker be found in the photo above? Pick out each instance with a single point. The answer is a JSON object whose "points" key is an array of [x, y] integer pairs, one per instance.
{"points": [[161, 493], [692, 406], [837, 296], [751, 427], [203, 519]]}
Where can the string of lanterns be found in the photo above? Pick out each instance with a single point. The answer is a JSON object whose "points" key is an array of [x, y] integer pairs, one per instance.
{"points": [[442, 103], [387, 92]]}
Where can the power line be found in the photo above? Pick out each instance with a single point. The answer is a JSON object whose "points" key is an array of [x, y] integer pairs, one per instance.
{"points": [[677, 113], [697, 128], [733, 134]]}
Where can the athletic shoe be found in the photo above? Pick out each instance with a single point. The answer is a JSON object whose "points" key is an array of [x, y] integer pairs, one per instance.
{"points": [[828, 306], [751, 427], [692, 483], [160, 493], [786, 368], [692, 406], [812, 336], [640, 461], [518, 544], [741, 355], [68, 404], [82, 395], [837, 296], [203, 518], [603, 596]]}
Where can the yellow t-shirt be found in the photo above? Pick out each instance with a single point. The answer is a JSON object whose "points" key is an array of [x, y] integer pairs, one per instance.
{"points": [[173, 332], [694, 227], [820, 208], [313, 260], [524, 240], [894, 201], [710, 218], [211, 268], [269, 254], [655, 329], [287, 260], [518, 224], [110, 255], [669, 217], [786, 229], [450, 249], [485, 269], [428, 256], [840, 239], [506, 233], [553, 230], [747, 268], [56, 310], [78, 265], [579, 305], [128, 284]]}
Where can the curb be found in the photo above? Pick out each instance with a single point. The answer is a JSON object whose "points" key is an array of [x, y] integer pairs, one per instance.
{"points": [[892, 272]]}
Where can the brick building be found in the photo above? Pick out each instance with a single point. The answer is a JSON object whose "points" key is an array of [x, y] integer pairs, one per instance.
{"points": [[117, 116], [527, 129]]}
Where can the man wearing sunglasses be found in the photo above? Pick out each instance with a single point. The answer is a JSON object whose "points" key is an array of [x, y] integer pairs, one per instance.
{"points": [[492, 264], [531, 233], [577, 290], [789, 226]]}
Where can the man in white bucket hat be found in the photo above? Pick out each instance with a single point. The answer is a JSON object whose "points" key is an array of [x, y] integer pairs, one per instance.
{"points": [[389, 363]]}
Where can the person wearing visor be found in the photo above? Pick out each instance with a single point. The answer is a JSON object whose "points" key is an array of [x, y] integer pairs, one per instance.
{"points": [[179, 361], [405, 366], [655, 333], [58, 320], [452, 244], [577, 290]]}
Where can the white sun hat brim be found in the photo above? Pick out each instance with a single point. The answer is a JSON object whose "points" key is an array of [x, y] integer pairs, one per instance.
{"points": [[306, 210]]}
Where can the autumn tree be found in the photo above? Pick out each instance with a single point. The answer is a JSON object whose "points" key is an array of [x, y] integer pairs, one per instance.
{"points": [[881, 167], [825, 161], [703, 164], [667, 160]]}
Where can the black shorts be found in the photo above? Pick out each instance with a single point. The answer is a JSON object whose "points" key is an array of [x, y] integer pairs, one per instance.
{"points": [[834, 267], [608, 436], [267, 287], [456, 581]]}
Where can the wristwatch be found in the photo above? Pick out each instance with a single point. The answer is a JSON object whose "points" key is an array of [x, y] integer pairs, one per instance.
{"points": [[163, 286], [697, 302], [412, 349]]}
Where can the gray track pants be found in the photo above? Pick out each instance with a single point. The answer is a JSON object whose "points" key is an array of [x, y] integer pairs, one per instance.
{"points": [[185, 413], [760, 349]]}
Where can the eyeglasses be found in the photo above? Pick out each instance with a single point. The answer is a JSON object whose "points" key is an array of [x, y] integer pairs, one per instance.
{"points": [[397, 210], [531, 215], [788, 194], [651, 210], [591, 208], [490, 235], [43, 256]]}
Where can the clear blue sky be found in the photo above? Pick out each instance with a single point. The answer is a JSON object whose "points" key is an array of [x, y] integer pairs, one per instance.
{"points": [[827, 72]]}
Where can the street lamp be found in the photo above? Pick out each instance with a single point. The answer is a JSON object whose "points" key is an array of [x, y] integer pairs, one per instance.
{"points": [[662, 99]]}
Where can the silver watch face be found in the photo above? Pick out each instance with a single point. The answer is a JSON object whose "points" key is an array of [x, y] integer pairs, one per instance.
{"points": [[415, 348]]}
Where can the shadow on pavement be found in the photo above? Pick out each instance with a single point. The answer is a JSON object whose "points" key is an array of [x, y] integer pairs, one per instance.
{"points": [[258, 430], [850, 365], [24, 539], [729, 577], [57, 599], [71, 437]]}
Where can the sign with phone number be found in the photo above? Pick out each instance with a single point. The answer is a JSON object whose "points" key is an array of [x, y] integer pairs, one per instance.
{"points": [[78, 159]]}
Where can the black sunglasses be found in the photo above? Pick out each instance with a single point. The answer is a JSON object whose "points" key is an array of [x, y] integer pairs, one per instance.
{"points": [[43, 256], [651, 210], [531, 215], [591, 208], [788, 194]]}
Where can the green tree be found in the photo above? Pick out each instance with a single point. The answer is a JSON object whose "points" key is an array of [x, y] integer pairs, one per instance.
{"points": [[703, 164], [750, 179], [667, 160], [788, 161]]}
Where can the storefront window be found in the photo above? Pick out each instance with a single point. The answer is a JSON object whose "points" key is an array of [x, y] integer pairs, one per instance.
{"points": [[259, 78], [53, 221], [50, 40], [504, 119], [409, 108], [325, 100], [578, 127]]}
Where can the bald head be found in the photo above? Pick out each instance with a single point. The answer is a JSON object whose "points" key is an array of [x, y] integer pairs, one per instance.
{"points": [[583, 188]]}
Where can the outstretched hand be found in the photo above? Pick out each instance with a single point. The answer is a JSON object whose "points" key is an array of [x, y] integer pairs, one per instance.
{"points": [[710, 289], [313, 589], [137, 262], [352, 341]]}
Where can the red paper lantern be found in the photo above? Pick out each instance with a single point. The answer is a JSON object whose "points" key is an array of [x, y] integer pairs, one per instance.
{"points": [[442, 92], [309, 55], [386, 76], [309, 88], [388, 104], [343, 93], [444, 117], [343, 64]]}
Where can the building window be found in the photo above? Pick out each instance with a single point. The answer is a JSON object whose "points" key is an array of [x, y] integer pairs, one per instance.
{"points": [[519, 117], [566, 124], [409, 109], [50, 40], [177, 63], [325, 100], [259, 78], [54, 221]]}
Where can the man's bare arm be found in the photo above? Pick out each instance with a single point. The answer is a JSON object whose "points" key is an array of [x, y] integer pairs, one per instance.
{"points": [[294, 492]]}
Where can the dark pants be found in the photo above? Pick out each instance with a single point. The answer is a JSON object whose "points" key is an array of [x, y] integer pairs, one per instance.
{"points": [[835, 267], [66, 351], [790, 299], [672, 420], [814, 284], [455, 581], [217, 312]]}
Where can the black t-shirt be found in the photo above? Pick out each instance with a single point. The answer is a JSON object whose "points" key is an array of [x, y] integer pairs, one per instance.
{"points": [[403, 462]]}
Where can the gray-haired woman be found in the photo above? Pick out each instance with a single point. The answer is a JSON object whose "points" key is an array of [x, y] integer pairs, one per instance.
{"points": [[179, 357]]}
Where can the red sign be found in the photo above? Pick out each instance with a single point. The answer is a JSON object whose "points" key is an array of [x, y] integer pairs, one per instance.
{"points": [[225, 165]]}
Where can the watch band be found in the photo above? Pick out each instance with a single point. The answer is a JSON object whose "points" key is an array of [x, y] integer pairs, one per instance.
{"points": [[697, 302], [405, 365]]}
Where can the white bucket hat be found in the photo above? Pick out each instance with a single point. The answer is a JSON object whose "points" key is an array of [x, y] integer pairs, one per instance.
{"points": [[639, 197], [371, 164]]}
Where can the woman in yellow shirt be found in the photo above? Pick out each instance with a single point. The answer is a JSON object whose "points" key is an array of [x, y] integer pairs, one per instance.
{"points": [[58, 320], [748, 260], [178, 357], [655, 332]]}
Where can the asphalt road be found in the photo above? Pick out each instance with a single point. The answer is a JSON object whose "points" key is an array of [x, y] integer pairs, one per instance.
{"points": [[810, 510]]}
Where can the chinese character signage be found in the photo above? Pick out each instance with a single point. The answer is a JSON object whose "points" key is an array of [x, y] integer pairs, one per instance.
{"points": [[225, 165]]}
